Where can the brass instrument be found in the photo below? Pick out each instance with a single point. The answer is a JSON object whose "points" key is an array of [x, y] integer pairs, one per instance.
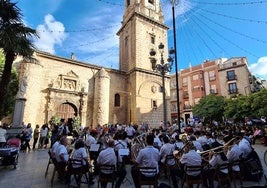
{"points": [[137, 144], [178, 153], [223, 147]]}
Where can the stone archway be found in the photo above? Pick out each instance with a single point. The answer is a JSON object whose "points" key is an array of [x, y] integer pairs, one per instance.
{"points": [[66, 110]]}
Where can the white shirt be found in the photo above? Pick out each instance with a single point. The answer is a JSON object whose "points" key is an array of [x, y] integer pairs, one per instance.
{"points": [[216, 161], [166, 149], [44, 132], [90, 140], [148, 157], [198, 145], [2, 135], [107, 157], [61, 150], [192, 158], [80, 154], [233, 155], [245, 147]]}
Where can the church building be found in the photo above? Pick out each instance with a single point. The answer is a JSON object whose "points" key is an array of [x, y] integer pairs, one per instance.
{"points": [[67, 88]]}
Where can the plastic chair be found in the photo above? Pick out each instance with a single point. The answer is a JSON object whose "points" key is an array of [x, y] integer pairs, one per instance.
{"points": [[106, 174], [147, 176], [192, 179]]}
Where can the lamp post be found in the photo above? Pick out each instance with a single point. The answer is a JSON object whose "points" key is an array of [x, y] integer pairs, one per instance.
{"points": [[173, 2], [162, 68]]}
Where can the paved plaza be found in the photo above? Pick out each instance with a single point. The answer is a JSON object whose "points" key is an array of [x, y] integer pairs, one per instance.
{"points": [[30, 172]]}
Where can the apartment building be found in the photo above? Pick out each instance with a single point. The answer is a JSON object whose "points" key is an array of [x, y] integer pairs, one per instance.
{"points": [[221, 77]]}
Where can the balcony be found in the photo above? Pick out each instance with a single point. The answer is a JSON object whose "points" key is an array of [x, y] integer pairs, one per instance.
{"points": [[233, 91], [187, 107], [231, 77], [185, 96]]}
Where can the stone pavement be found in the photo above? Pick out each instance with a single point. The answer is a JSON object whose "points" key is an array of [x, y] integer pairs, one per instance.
{"points": [[30, 172]]}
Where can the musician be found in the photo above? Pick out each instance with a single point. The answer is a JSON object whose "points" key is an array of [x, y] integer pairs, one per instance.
{"points": [[190, 158], [108, 157], [178, 144], [166, 149], [216, 158], [244, 146], [197, 144], [147, 157], [233, 153]]}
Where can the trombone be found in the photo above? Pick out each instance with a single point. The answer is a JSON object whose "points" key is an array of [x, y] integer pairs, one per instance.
{"points": [[226, 145]]}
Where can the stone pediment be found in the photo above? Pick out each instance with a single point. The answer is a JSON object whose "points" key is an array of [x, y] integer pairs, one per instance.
{"points": [[69, 82]]}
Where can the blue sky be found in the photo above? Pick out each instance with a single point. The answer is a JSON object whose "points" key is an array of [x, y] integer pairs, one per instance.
{"points": [[204, 30]]}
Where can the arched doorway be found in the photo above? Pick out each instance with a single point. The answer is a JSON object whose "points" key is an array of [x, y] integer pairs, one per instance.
{"points": [[66, 111]]}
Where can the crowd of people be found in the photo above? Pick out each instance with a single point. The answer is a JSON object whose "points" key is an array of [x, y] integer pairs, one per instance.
{"points": [[189, 146]]}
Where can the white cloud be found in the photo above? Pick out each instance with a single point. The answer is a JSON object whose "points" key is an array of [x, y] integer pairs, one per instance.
{"points": [[50, 33], [259, 68]]}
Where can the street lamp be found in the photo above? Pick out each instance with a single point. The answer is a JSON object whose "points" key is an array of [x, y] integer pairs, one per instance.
{"points": [[162, 68], [174, 2]]}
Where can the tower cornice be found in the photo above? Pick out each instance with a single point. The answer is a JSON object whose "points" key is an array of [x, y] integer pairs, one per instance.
{"points": [[144, 17]]}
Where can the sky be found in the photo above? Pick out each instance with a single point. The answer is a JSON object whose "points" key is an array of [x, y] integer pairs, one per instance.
{"points": [[205, 30]]}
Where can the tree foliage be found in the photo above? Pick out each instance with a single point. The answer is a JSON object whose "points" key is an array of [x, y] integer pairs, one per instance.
{"points": [[15, 39], [253, 106], [210, 108], [9, 103]]}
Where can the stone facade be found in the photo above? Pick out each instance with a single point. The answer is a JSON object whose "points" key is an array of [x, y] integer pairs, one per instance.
{"points": [[64, 87]]}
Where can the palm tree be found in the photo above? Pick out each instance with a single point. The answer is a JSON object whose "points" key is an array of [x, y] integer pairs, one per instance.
{"points": [[15, 39]]}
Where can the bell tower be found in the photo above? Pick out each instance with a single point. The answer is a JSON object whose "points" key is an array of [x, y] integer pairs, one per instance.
{"points": [[142, 29]]}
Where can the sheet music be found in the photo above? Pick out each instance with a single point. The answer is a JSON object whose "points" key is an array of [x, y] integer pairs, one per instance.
{"points": [[94, 147], [124, 152]]}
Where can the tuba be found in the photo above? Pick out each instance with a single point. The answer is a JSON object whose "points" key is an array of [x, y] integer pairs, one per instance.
{"points": [[137, 144]]}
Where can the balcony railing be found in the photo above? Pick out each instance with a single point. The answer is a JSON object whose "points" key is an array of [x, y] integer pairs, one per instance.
{"points": [[231, 77], [233, 91]]}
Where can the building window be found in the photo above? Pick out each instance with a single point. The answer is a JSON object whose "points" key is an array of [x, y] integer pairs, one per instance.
{"points": [[212, 75], [232, 88], [213, 89], [128, 3], [152, 39], [151, 2], [154, 104], [184, 81], [231, 75], [195, 77], [117, 100]]}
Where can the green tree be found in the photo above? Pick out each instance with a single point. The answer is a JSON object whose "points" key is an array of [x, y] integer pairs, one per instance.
{"points": [[15, 39], [237, 108], [258, 103], [210, 107], [12, 89]]}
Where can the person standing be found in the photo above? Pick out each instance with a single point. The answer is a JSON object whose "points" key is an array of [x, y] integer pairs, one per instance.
{"points": [[43, 135], [2, 136], [36, 133]]}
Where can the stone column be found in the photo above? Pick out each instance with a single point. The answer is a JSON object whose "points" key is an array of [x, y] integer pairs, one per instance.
{"points": [[17, 118], [101, 98]]}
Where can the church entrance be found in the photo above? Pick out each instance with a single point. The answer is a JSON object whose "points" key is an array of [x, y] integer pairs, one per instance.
{"points": [[67, 111]]}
